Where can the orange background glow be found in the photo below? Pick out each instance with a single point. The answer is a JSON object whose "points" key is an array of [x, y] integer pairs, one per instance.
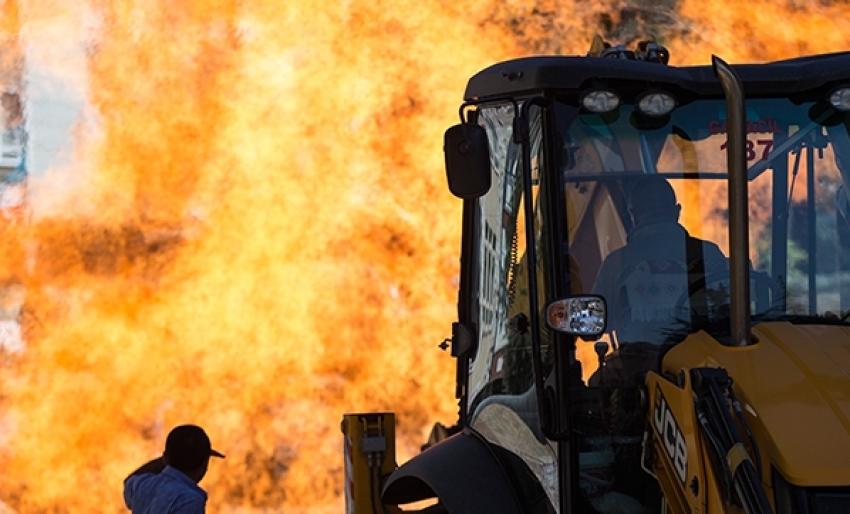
{"points": [[253, 232]]}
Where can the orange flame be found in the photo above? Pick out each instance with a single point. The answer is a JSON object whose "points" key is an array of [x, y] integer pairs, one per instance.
{"points": [[253, 234]]}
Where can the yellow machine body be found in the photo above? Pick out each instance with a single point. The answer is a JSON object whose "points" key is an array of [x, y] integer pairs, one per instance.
{"points": [[799, 369]]}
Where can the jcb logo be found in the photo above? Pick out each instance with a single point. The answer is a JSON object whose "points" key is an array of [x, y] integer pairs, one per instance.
{"points": [[672, 438]]}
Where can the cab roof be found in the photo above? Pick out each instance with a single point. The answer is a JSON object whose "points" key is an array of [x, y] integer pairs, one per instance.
{"points": [[531, 75]]}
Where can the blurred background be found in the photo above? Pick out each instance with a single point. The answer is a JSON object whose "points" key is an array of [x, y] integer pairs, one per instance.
{"points": [[234, 213]]}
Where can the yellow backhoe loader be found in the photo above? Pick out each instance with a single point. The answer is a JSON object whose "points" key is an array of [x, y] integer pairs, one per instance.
{"points": [[704, 369]]}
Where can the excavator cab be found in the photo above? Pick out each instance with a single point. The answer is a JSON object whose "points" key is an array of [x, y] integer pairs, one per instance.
{"points": [[610, 363]]}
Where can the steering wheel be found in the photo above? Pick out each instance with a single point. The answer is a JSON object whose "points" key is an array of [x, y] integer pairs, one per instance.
{"points": [[761, 280]]}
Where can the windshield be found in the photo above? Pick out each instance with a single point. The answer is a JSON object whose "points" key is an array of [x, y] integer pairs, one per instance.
{"points": [[647, 227], [797, 217]]}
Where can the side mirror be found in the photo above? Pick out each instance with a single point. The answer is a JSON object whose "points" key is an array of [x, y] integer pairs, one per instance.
{"points": [[584, 316], [467, 160]]}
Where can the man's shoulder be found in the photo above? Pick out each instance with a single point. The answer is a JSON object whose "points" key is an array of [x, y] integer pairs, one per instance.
{"points": [[138, 489], [136, 480], [711, 249]]}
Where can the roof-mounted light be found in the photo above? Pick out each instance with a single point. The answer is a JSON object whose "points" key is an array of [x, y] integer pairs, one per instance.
{"points": [[600, 100], [840, 99], [656, 103]]}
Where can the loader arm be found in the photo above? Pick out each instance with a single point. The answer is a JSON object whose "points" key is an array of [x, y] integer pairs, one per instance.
{"points": [[721, 423], [699, 446]]}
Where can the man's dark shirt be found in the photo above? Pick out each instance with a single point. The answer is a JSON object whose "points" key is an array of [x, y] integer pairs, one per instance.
{"points": [[169, 492]]}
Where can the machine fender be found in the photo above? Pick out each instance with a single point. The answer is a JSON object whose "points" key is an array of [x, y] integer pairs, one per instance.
{"points": [[461, 471]]}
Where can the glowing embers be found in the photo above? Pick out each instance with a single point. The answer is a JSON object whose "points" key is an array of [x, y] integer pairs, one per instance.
{"points": [[840, 99], [600, 100], [583, 316], [656, 103]]}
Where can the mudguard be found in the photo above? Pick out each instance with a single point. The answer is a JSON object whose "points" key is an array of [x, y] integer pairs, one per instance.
{"points": [[462, 471]]}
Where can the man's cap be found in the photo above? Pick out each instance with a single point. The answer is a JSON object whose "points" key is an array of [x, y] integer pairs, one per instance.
{"points": [[188, 446], [652, 194]]}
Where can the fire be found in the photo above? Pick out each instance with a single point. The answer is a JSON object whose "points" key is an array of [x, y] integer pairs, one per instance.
{"points": [[251, 229], [762, 30]]}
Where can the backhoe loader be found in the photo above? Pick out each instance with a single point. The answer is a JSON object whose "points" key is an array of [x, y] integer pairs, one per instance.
{"points": [[706, 371]]}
